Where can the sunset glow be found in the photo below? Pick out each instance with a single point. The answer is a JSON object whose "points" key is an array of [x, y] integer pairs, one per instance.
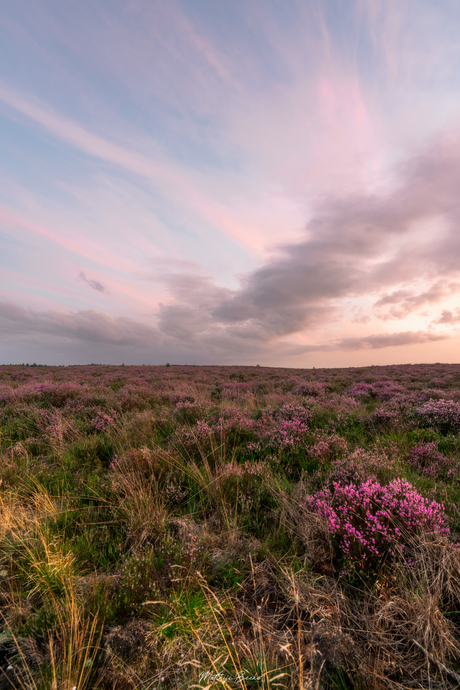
{"points": [[230, 183]]}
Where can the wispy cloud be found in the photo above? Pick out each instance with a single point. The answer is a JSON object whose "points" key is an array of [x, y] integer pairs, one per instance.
{"points": [[95, 284], [404, 302], [381, 340]]}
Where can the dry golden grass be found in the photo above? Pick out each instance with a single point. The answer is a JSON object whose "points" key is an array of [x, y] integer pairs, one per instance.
{"points": [[141, 507], [71, 649]]}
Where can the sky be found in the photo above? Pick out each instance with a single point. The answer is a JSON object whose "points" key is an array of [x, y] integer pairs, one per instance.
{"points": [[230, 182]]}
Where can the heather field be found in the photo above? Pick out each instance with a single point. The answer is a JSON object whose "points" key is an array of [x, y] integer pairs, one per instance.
{"points": [[229, 527]]}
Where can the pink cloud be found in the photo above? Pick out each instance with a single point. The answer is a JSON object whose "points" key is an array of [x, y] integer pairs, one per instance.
{"points": [[77, 244], [448, 317]]}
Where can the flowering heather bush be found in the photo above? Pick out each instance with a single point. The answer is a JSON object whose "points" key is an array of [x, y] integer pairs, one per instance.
{"points": [[50, 426], [361, 390], [383, 419], [370, 522], [58, 428], [231, 417], [200, 436], [431, 394], [53, 394], [292, 413], [236, 390], [27, 417], [327, 447], [102, 419], [7, 395], [325, 408], [362, 465], [442, 381], [309, 389], [88, 403], [188, 411], [208, 425], [232, 425], [440, 414], [386, 390], [345, 403], [287, 428], [380, 390], [426, 459]]}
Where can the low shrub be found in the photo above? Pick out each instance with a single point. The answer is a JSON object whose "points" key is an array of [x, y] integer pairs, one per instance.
{"points": [[370, 523], [427, 460], [440, 414]]}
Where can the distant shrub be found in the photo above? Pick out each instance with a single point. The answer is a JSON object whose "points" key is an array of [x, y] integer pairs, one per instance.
{"points": [[309, 389], [383, 419], [6, 395], [380, 390], [327, 447], [360, 466], [431, 394], [188, 411], [426, 458], [361, 390], [440, 414], [292, 424], [236, 390], [102, 420]]}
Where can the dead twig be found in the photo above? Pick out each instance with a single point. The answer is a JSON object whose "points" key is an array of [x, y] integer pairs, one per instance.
{"points": [[439, 664]]}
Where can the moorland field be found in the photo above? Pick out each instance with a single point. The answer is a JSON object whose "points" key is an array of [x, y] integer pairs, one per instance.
{"points": [[229, 527]]}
